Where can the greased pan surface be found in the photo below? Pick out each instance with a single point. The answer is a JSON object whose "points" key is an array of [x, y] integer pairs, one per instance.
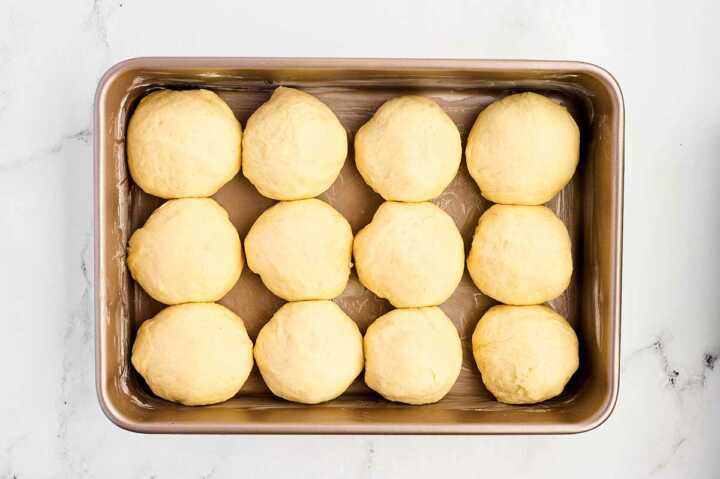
{"points": [[591, 207]]}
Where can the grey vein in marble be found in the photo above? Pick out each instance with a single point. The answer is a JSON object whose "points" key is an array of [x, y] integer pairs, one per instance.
{"points": [[83, 136], [675, 379], [75, 369], [96, 19], [370, 457], [210, 474], [673, 452]]}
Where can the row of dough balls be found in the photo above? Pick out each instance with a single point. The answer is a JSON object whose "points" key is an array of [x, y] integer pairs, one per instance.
{"points": [[410, 253], [311, 351], [189, 144], [189, 251], [522, 149]]}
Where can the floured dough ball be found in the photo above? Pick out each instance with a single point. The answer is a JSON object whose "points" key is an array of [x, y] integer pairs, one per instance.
{"points": [[520, 255], [523, 149], [294, 146], [412, 355], [410, 253], [301, 249], [183, 143], [409, 150], [194, 354], [309, 352], [526, 354], [187, 251]]}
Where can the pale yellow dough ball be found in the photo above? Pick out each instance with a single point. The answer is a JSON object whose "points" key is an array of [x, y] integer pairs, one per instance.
{"points": [[410, 253], [526, 354], [194, 354], [309, 352], [187, 251], [523, 149], [301, 249], [294, 146], [520, 255], [183, 143], [412, 355], [409, 150]]}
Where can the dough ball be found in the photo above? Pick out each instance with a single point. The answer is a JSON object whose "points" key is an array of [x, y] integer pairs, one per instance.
{"points": [[412, 355], [520, 255], [523, 149], [301, 249], [194, 354], [409, 150], [183, 143], [294, 146], [410, 253], [526, 354], [187, 251], [309, 352]]}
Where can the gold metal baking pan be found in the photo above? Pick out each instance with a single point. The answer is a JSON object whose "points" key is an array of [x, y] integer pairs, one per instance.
{"points": [[591, 207]]}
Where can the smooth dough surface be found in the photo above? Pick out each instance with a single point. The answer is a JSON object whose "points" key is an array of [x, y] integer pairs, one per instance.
{"points": [[412, 355], [520, 255], [194, 354], [409, 150], [525, 354], [183, 143], [410, 253], [523, 149], [309, 352], [294, 146], [187, 251], [301, 249]]}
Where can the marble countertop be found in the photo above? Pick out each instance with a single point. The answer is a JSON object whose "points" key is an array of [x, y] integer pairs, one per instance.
{"points": [[665, 56]]}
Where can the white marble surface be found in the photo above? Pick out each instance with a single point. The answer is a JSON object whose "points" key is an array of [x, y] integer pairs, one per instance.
{"points": [[666, 56]]}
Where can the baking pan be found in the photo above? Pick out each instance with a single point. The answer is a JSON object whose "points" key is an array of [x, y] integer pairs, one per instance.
{"points": [[591, 207]]}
